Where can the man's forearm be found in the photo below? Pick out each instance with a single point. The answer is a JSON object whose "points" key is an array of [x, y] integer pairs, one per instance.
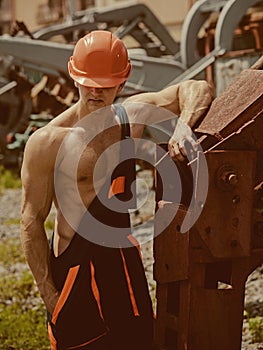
{"points": [[37, 253]]}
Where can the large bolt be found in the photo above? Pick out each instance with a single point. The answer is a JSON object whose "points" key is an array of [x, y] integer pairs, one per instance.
{"points": [[226, 177], [232, 179]]}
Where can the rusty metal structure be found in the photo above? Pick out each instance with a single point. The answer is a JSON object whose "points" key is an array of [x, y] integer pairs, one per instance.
{"points": [[201, 274]]}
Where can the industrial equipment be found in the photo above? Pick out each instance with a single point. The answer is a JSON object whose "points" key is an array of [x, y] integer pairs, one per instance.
{"points": [[201, 274]]}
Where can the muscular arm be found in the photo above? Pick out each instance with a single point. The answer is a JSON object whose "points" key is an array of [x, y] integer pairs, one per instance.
{"points": [[195, 97], [189, 100], [37, 195]]}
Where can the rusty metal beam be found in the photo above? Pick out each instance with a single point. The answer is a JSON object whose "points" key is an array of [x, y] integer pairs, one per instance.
{"points": [[240, 101]]}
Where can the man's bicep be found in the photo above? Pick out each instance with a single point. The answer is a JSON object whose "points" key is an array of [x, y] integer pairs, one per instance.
{"points": [[195, 98], [37, 181]]}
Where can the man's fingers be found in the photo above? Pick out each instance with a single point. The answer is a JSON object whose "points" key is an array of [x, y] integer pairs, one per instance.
{"points": [[182, 149], [176, 151], [193, 142]]}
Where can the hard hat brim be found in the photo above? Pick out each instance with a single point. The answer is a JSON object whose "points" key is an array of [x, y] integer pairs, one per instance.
{"points": [[97, 82]]}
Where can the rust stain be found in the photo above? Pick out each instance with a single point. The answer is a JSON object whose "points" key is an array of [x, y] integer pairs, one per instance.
{"points": [[233, 107]]}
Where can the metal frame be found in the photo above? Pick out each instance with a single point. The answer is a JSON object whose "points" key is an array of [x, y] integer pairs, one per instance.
{"points": [[156, 40], [159, 52], [228, 20], [231, 13], [201, 274], [193, 22]]}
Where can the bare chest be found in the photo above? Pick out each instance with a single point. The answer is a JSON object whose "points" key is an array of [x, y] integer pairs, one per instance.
{"points": [[90, 163]]}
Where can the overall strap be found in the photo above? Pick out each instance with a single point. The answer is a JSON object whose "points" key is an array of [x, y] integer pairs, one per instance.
{"points": [[122, 115], [127, 166]]}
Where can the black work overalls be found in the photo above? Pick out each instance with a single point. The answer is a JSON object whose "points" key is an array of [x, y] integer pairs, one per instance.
{"points": [[104, 302]]}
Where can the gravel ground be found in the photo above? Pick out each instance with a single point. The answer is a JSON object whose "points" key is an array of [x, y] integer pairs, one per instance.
{"points": [[10, 212]]}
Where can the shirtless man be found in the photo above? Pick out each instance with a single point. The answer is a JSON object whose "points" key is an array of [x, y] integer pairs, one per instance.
{"points": [[96, 296]]}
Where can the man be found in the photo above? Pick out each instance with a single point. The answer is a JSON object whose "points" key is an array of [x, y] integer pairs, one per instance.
{"points": [[96, 294]]}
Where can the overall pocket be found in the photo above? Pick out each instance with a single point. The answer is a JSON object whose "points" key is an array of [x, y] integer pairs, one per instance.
{"points": [[76, 322]]}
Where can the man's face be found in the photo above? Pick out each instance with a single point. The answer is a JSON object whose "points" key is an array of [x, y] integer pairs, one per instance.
{"points": [[95, 98]]}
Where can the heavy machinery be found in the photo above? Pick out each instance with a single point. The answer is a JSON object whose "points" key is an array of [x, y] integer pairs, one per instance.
{"points": [[224, 24], [201, 269]]}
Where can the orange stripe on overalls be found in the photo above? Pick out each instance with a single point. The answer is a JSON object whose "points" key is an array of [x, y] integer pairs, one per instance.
{"points": [[95, 289], [134, 241], [117, 186], [132, 296], [72, 274], [53, 342], [88, 342]]}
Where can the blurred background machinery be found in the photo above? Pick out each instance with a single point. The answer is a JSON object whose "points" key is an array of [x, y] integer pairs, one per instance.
{"points": [[218, 40]]}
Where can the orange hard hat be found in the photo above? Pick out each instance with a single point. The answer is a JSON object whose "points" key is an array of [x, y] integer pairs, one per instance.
{"points": [[100, 59]]}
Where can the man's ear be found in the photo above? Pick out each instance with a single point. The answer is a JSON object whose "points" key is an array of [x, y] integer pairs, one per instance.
{"points": [[121, 86], [76, 84]]}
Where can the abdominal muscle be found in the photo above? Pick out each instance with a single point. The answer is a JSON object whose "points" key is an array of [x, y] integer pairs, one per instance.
{"points": [[70, 214], [77, 188]]}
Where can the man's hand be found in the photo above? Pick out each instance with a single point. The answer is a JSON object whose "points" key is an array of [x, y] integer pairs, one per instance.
{"points": [[182, 144], [194, 99]]}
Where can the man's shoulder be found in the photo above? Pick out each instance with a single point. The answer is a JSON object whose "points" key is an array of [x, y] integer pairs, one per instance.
{"points": [[49, 133], [45, 142]]}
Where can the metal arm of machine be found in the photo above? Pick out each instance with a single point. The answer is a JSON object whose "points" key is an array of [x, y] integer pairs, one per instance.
{"points": [[51, 56], [231, 13], [191, 26], [154, 39], [228, 20]]}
